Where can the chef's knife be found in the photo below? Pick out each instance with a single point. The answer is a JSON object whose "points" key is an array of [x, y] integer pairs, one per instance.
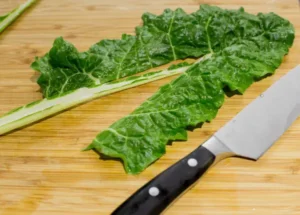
{"points": [[249, 134]]}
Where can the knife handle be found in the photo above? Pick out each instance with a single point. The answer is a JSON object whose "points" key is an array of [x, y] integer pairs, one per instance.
{"points": [[156, 195]]}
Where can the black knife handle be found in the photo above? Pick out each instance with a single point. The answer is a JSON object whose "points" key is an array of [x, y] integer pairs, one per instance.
{"points": [[156, 195]]}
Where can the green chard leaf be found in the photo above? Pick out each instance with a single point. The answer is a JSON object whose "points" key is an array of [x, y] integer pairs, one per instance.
{"points": [[243, 48], [68, 77], [7, 19]]}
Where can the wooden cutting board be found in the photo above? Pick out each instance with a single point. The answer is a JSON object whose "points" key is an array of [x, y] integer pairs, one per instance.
{"points": [[42, 168]]}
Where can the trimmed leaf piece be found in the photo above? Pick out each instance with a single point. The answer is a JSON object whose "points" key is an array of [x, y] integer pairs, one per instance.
{"points": [[244, 48]]}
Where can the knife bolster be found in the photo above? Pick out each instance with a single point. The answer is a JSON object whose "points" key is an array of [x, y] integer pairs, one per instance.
{"points": [[219, 149]]}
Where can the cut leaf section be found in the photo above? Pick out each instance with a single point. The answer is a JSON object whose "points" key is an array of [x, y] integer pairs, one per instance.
{"points": [[245, 48]]}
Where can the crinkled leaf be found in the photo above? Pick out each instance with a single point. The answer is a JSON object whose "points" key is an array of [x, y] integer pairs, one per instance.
{"points": [[244, 48]]}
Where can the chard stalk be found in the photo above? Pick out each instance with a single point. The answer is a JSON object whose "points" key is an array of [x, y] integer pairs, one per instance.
{"points": [[40, 109], [7, 19]]}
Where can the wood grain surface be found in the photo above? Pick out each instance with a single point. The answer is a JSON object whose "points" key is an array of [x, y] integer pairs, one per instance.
{"points": [[42, 168]]}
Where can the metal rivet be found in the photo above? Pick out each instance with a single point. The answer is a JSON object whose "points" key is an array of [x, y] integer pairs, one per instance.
{"points": [[154, 191], [192, 162]]}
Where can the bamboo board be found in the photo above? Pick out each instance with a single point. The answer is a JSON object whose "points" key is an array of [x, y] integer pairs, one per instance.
{"points": [[42, 168]]}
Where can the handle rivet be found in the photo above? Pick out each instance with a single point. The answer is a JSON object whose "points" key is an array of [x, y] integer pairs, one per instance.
{"points": [[192, 162], [153, 191]]}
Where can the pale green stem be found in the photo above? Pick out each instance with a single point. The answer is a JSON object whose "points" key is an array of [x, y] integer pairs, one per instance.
{"points": [[38, 110], [12, 16]]}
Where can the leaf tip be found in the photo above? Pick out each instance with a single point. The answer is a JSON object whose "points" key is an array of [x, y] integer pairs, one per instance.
{"points": [[90, 147]]}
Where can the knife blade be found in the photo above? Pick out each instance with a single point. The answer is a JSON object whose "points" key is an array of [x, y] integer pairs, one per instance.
{"points": [[248, 135]]}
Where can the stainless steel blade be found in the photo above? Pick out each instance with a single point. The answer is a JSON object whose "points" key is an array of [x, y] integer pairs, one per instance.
{"points": [[253, 130]]}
